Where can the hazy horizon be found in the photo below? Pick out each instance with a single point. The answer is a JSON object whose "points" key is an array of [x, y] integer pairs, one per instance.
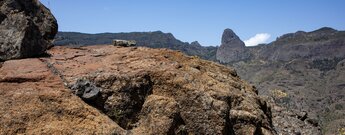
{"points": [[203, 21]]}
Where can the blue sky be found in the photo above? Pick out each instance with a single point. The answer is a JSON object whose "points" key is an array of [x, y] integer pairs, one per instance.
{"points": [[199, 20]]}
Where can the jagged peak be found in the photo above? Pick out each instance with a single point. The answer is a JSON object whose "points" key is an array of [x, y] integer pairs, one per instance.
{"points": [[231, 49], [228, 36]]}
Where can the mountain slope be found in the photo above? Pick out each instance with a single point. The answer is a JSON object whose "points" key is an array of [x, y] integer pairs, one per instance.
{"points": [[302, 71]]}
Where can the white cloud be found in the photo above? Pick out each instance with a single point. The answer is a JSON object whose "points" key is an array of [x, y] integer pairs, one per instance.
{"points": [[257, 39]]}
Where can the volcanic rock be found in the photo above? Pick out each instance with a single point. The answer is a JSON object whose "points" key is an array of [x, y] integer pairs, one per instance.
{"points": [[141, 90], [35, 101], [232, 48], [85, 89], [27, 29]]}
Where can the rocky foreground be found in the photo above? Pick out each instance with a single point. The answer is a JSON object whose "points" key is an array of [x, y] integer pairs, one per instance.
{"points": [[127, 91]]}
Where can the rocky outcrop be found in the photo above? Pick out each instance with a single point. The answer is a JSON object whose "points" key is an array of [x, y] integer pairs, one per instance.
{"points": [[141, 90], [232, 48], [27, 29]]}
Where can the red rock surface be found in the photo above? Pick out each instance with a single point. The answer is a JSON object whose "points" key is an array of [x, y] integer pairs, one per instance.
{"points": [[35, 101], [142, 91]]}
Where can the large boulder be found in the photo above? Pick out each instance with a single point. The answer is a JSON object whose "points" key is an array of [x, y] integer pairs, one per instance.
{"points": [[27, 28], [232, 48], [158, 91], [127, 90]]}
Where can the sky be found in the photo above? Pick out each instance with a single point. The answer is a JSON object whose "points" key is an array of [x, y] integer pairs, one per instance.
{"points": [[254, 21]]}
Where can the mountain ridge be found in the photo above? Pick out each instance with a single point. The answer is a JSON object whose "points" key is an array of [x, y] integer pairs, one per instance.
{"points": [[155, 39], [159, 39]]}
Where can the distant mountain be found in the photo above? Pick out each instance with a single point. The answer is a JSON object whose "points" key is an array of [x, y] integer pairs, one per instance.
{"points": [[155, 39], [302, 71], [323, 43]]}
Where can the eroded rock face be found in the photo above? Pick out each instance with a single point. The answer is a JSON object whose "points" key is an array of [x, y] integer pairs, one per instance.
{"points": [[26, 29], [232, 48]]}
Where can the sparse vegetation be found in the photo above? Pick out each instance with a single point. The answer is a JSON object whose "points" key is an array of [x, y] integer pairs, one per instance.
{"points": [[117, 115], [325, 64], [279, 93], [341, 131], [280, 96]]}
